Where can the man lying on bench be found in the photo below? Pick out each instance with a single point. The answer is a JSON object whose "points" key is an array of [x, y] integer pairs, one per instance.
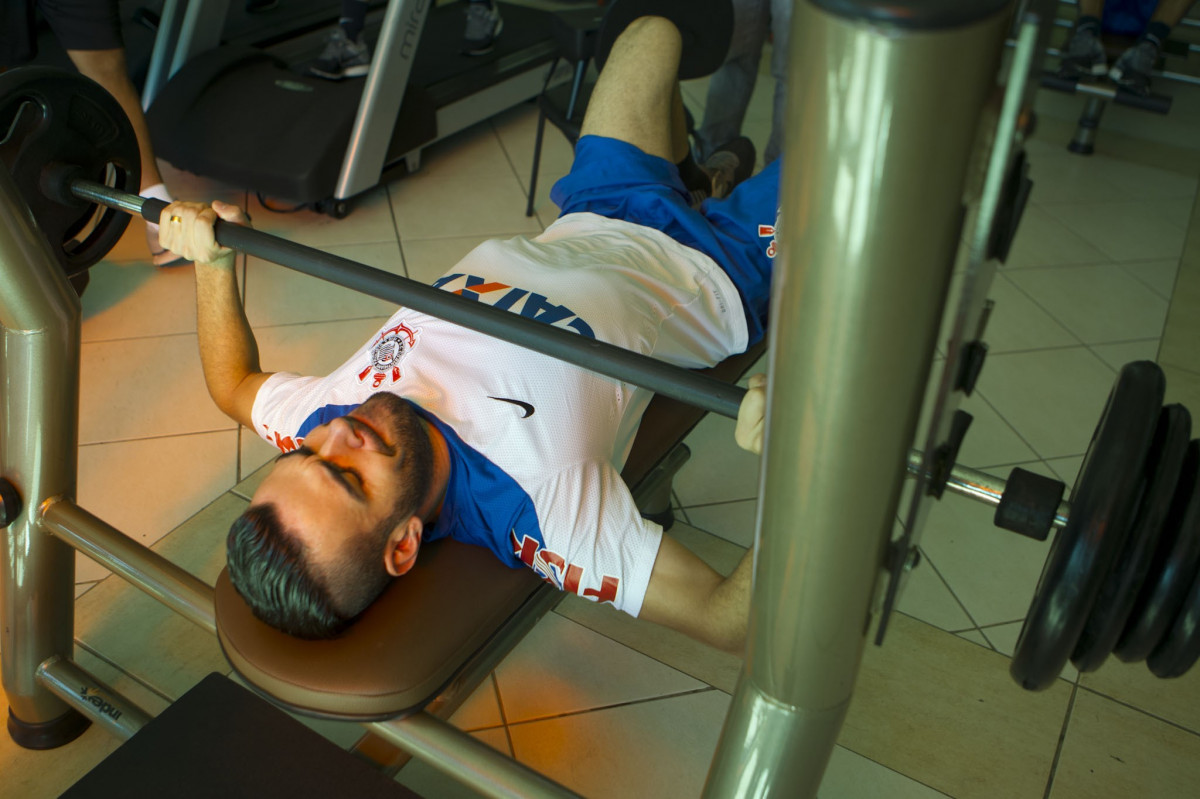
{"points": [[431, 430]]}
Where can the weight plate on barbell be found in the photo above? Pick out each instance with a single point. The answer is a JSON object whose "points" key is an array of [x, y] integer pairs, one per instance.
{"points": [[1175, 563], [1103, 503], [51, 119], [1180, 649], [1129, 570]]}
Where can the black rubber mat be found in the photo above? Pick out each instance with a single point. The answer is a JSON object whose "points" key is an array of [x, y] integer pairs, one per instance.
{"points": [[220, 740]]}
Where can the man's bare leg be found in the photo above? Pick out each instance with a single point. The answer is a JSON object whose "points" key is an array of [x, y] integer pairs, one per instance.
{"points": [[637, 98]]}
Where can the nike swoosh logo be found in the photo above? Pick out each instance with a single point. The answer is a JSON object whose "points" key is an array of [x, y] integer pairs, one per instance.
{"points": [[525, 406]]}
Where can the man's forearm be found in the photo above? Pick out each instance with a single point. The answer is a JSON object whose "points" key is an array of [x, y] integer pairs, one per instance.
{"points": [[228, 351]]}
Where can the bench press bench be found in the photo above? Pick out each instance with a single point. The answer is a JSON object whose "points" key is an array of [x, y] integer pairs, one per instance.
{"points": [[432, 636]]}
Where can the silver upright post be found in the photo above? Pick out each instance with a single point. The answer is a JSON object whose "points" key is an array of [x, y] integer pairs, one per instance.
{"points": [[39, 406], [884, 101]]}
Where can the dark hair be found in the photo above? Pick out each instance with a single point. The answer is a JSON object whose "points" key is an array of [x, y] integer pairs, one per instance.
{"points": [[269, 567]]}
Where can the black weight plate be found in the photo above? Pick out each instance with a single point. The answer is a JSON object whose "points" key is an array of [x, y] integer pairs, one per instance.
{"points": [[1122, 584], [1179, 650], [52, 117], [1103, 504], [706, 27], [1175, 562]]}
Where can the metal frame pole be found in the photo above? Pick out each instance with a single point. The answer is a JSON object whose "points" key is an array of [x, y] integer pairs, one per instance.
{"points": [[39, 433], [880, 133]]}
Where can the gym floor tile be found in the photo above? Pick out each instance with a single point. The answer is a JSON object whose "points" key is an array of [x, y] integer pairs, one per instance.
{"points": [[464, 205], [1159, 275], [144, 388], [733, 521], [278, 296], [428, 259], [944, 711], [991, 440], [659, 748], [852, 775], [314, 348], [992, 572], [1019, 322], [1044, 241], [1114, 752], [1127, 231], [480, 710], [370, 220], [1117, 355], [1183, 386], [562, 667], [718, 471], [1176, 700], [1051, 397], [1098, 304], [173, 478], [136, 299], [927, 597], [1003, 638], [254, 453]]}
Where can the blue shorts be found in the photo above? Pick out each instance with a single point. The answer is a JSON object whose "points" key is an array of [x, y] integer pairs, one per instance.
{"points": [[613, 178]]}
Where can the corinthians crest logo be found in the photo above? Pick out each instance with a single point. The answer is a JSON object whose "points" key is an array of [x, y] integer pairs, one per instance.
{"points": [[387, 352]]}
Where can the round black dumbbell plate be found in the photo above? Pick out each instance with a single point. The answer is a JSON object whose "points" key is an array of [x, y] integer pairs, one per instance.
{"points": [[1180, 649], [1176, 560], [56, 124], [1103, 504], [1129, 570]]}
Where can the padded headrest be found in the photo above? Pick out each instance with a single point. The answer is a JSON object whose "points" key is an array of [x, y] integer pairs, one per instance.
{"points": [[398, 655]]}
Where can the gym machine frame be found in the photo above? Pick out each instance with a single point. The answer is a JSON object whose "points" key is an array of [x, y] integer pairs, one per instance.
{"points": [[856, 304]]}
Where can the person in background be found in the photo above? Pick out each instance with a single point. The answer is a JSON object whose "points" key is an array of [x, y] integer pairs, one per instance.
{"points": [[1084, 52], [730, 87], [90, 32], [347, 54]]}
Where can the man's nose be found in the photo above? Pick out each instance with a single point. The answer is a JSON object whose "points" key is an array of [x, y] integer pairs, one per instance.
{"points": [[341, 437]]}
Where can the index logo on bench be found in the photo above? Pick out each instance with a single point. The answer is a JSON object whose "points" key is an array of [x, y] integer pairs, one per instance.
{"points": [[93, 697], [510, 298]]}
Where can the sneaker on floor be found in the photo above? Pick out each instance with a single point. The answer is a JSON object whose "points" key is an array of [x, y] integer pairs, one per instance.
{"points": [[342, 58], [483, 26], [729, 165], [1084, 54], [1133, 68]]}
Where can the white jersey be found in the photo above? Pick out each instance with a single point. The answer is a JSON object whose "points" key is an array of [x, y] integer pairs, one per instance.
{"points": [[537, 444]]}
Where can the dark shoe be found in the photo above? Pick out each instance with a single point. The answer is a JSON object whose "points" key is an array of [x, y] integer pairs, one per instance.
{"points": [[483, 26], [342, 58], [1133, 68], [729, 165], [1084, 54]]}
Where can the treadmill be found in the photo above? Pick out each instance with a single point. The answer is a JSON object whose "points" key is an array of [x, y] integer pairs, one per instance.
{"points": [[316, 142]]}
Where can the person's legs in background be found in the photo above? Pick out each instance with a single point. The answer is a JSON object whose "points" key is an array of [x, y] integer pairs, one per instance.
{"points": [[1084, 53], [90, 32], [346, 54], [730, 87], [1132, 71], [781, 29], [483, 26]]}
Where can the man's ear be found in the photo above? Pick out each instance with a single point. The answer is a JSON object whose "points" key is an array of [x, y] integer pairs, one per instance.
{"points": [[400, 552]]}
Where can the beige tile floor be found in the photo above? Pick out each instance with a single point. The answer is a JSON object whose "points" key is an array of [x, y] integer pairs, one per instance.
{"points": [[601, 703]]}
